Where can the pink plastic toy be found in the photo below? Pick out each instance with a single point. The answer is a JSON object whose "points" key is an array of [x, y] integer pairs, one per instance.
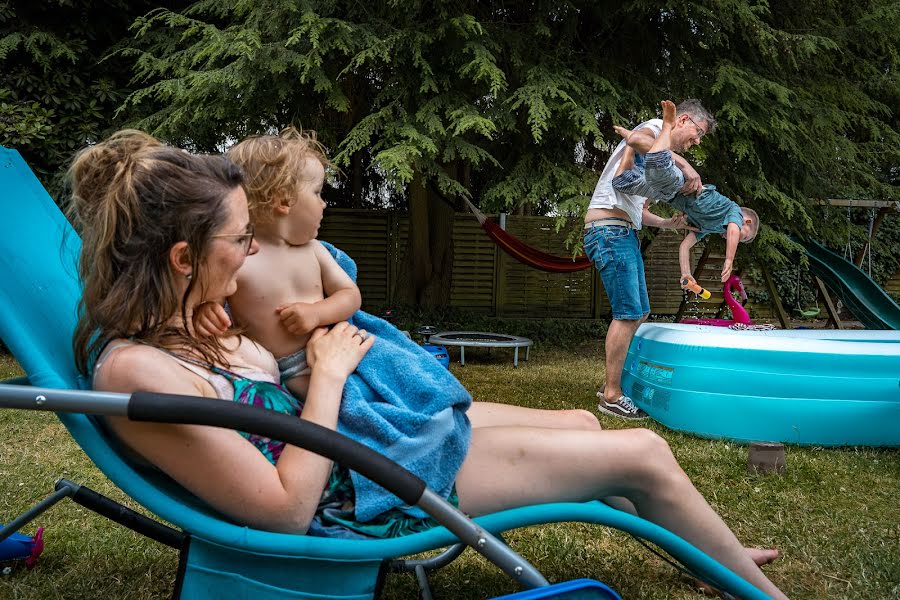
{"points": [[737, 310]]}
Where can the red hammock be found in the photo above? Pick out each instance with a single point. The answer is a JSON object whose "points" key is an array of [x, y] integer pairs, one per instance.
{"points": [[526, 254]]}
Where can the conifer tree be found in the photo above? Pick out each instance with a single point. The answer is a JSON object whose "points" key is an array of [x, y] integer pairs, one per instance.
{"points": [[55, 95], [512, 103]]}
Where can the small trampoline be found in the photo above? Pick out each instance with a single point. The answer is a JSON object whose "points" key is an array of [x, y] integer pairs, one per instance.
{"points": [[482, 339]]}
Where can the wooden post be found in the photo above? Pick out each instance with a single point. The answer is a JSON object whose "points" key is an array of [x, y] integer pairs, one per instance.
{"points": [[833, 316], [776, 299], [882, 212], [392, 229], [500, 261]]}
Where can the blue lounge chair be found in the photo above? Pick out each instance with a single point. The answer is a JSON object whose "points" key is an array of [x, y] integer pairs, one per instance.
{"points": [[38, 297]]}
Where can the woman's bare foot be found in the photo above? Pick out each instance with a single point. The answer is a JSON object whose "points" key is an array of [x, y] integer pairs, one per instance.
{"points": [[668, 110], [761, 556]]}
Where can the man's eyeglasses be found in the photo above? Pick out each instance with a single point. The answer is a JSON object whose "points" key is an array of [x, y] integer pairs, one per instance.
{"points": [[243, 238], [700, 131]]}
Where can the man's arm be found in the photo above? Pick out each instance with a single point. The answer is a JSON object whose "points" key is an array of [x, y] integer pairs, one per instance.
{"points": [[692, 182], [732, 237], [649, 219]]}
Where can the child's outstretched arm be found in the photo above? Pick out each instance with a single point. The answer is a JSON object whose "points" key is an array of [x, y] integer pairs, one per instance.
{"points": [[210, 319], [684, 255], [732, 237], [342, 299]]}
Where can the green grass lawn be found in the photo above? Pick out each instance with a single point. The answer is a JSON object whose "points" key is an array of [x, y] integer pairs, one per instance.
{"points": [[834, 514]]}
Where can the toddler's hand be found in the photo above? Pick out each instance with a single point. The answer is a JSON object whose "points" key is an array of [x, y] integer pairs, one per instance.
{"points": [[338, 351], [299, 318], [211, 320], [726, 271], [687, 280]]}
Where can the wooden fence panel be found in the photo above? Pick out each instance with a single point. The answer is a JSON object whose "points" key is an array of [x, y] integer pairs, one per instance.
{"points": [[529, 292], [663, 273], [892, 287], [488, 281], [473, 285], [367, 236]]}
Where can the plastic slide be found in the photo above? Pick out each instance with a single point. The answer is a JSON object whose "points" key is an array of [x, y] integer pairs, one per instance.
{"points": [[866, 299]]}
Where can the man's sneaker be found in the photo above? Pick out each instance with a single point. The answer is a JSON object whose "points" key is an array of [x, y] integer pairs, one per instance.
{"points": [[623, 408]]}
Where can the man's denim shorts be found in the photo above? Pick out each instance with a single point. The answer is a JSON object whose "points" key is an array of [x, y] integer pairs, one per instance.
{"points": [[616, 253]]}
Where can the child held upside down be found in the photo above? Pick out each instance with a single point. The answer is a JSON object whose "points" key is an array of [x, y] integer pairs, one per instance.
{"points": [[654, 175], [293, 285]]}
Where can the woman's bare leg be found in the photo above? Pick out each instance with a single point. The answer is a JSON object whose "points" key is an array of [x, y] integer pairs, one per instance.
{"points": [[493, 414], [516, 466]]}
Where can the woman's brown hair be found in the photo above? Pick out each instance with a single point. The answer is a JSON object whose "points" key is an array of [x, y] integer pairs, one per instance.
{"points": [[133, 198]]}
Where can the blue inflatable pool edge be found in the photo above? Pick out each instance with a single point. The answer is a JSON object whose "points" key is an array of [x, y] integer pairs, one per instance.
{"points": [[810, 387]]}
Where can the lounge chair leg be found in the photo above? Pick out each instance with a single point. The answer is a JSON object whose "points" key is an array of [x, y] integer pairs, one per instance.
{"points": [[462, 356], [424, 588], [516, 357], [123, 515], [32, 513], [421, 567]]}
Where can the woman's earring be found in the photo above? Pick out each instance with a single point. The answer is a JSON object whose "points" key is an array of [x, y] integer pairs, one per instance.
{"points": [[188, 276]]}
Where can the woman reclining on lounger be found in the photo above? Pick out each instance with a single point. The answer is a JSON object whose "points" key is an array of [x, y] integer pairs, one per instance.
{"points": [[164, 231]]}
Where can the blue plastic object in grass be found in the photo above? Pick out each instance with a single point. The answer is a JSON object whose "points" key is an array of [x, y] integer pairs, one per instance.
{"points": [[439, 352], [22, 547], [577, 589]]}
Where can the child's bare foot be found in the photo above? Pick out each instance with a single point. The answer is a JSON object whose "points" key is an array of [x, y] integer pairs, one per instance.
{"points": [[625, 133], [668, 108]]}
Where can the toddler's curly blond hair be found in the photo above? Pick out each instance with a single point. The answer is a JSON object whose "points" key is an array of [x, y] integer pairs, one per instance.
{"points": [[273, 166]]}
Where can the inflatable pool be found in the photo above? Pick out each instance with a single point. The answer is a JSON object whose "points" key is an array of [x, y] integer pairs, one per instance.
{"points": [[811, 387]]}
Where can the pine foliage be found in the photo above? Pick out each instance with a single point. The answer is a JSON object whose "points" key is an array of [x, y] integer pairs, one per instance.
{"points": [[55, 95], [512, 103]]}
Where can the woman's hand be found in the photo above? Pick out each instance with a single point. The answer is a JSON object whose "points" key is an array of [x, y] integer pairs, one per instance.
{"points": [[338, 351]]}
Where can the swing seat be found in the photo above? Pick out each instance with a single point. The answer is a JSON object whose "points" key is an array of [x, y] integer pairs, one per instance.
{"points": [[809, 313]]}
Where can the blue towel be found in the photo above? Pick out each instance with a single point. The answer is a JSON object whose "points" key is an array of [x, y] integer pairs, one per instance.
{"points": [[406, 405]]}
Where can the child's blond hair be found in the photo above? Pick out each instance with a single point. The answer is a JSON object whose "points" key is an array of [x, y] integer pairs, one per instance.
{"points": [[273, 165], [750, 215]]}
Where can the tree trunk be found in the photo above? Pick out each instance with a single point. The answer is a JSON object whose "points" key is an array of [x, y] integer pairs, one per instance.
{"points": [[356, 180], [430, 249]]}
